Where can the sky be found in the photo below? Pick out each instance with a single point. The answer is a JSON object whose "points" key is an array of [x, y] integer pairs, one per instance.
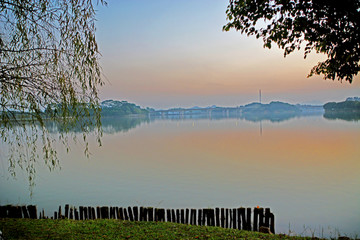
{"points": [[164, 54]]}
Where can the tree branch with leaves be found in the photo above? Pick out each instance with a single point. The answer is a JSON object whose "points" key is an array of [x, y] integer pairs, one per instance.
{"points": [[330, 27], [49, 59]]}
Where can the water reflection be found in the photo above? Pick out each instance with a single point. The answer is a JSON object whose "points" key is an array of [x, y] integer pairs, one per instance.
{"points": [[304, 168]]}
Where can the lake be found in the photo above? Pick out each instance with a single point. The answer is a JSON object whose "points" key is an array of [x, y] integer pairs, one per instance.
{"points": [[306, 169]]}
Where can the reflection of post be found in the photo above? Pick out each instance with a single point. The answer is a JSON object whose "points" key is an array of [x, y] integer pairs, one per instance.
{"points": [[260, 128]]}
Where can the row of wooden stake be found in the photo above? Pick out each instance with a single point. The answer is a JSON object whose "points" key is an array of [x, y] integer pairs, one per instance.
{"points": [[238, 218]]}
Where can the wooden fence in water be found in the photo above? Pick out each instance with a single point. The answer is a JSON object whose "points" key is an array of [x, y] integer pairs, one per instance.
{"points": [[237, 218]]}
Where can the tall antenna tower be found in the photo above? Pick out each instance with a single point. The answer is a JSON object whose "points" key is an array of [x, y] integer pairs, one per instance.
{"points": [[260, 96]]}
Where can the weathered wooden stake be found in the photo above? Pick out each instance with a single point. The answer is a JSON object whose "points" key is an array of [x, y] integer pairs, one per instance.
{"points": [[136, 213], [76, 214], [248, 218], [67, 211], [32, 211], [217, 216], [25, 212], [150, 211], [121, 213], [222, 217], [200, 217], [255, 220], [71, 213], [234, 218], [105, 212], [182, 216], [193, 217], [272, 223], [267, 217], [178, 217], [173, 215], [126, 216], [98, 212], [131, 215], [187, 216], [227, 218], [168, 215], [261, 217]]}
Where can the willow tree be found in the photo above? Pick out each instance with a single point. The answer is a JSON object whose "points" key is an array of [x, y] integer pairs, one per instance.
{"points": [[331, 27], [49, 60]]}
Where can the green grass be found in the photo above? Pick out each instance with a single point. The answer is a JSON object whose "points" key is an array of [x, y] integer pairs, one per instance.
{"points": [[115, 229]]}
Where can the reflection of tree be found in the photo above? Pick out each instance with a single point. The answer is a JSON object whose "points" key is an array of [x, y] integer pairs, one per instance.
{"points": [[115, 124], [272, 117], [22, 132], [347, 116]]}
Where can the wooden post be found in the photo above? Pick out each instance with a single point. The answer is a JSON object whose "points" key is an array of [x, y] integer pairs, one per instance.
{"points": [[255, 220], [238, 218], [234, 218], [230, 218], [212, 217], [86, 216], [136, 213], [193, 217], [81, 210], [126, 216], [55, 215], [267, 217], [182, 216], [243, 218], [93, 213], [98, 212], [156, 214], [173, 215], [112, 213], [272, 223], [187, 216], [261, 217], [227, 218], [146, 214], [25, 212], [67, 211], [217, 216], [76, 214], [59, 215], [121, 213], [168, 215], [141, 213], [204, 213], [200, 217], [248, 218], [222, 218], [71, 213], [178, 217], [150, 214], [105, 212], [89, 212], [131, 215], [32, 211], [161, 215]]}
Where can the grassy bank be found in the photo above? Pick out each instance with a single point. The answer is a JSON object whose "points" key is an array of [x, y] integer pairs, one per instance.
{"points": [[115, 229]]}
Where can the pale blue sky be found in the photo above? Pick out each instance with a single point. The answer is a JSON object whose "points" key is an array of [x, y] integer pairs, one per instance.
{"points": [[173, 53]]}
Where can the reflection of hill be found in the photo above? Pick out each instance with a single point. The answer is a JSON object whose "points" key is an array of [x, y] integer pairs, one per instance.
{"points": [[348, 116], [115, 124], [110, 124], [273, 117]]}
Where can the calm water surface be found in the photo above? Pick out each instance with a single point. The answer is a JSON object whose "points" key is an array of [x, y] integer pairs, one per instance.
{"points": [[305, 169]]}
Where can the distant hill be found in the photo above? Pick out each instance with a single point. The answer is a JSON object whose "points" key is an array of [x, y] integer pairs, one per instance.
{"points": [[347, 110], [271, 108], [114, 107]]}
